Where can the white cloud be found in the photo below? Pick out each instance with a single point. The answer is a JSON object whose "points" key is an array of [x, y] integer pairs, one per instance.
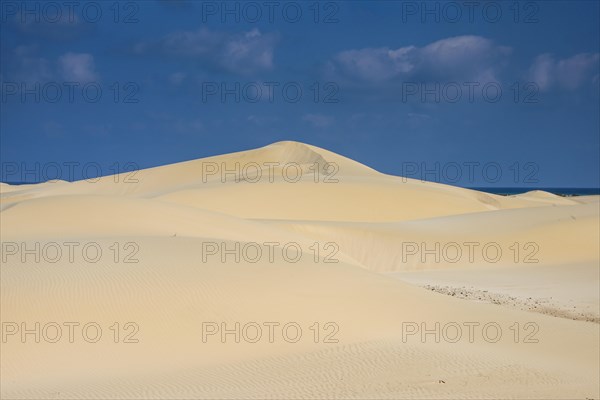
{"points": [[241, 53], [262, 120], [62, 25], [319, 120], [370, 64], [461, 57], [77, 67], [191, 43], [26, 66], [569, 73], [252, 51]]}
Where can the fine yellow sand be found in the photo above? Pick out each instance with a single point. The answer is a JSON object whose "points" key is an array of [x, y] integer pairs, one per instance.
{"points": [[361, 285]]}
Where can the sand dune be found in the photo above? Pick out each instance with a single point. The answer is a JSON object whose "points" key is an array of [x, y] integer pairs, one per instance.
{"points": [[525, 236], [291, 235]]}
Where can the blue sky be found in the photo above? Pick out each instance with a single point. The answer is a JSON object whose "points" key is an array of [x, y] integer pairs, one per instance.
{"points": [[401, 86]]}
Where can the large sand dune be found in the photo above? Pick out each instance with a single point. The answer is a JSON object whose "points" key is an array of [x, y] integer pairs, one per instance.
{"points": [[293, 235]]}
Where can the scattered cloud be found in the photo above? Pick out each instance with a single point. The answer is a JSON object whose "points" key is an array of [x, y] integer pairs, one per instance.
{"points": [[263, 120], [54, 23], [28, 67], [77, 67], [462, 57], [240, 53], [319, 120], [568, 73]]}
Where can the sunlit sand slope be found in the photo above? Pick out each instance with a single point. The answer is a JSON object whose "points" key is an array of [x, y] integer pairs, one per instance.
{"points": [[296, 273]]}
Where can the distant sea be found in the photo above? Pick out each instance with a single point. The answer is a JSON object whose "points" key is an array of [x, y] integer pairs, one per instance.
{"points": [[557, 191]]}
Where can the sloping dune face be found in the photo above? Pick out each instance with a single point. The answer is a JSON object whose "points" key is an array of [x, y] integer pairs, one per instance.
{"points": [[292, 272]]}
